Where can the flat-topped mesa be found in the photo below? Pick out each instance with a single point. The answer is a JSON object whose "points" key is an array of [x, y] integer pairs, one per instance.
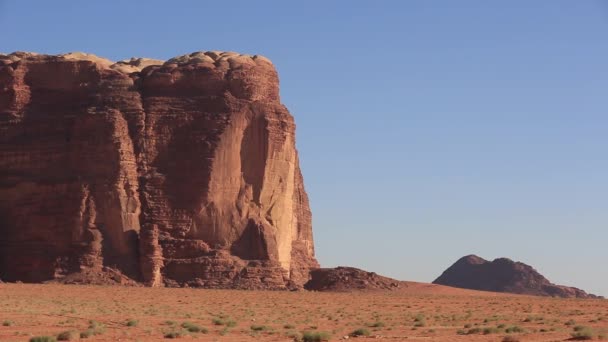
{"points": [[504, 275], [181, 172]]}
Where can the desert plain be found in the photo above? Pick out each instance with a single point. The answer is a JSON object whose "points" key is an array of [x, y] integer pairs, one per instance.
{"points": [[414, 312]]}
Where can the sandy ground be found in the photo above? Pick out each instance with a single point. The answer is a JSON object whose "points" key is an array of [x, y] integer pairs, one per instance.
{"points": [[418, 312]]}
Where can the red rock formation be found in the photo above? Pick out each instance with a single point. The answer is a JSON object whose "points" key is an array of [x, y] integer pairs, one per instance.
{"points": [[182, 172], [348, 279], [504, 275]]}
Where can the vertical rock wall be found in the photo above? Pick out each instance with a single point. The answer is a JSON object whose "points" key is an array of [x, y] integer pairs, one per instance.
{"points": [[180, 173]]}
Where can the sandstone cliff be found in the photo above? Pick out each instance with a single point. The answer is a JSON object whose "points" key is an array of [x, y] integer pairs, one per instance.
{"points": [[504, 275], [182, 172]]}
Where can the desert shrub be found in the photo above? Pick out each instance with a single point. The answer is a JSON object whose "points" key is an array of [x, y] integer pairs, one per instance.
{"points": [[490, 330], [510, 338], [174, 334], [43, 339], [224, 321], [315, 336], [7, 323], [259, 328], [582, 333], [461, 332], [191, 327], [224, 331], [296, 336], [132, 323], [289, 326], [570, 322], [95, 328], [68, 335], [86, 334], [420, 324], [501, 326], [474, 331], [377, 324], [514, 329], [467, 326], [360, 332]]}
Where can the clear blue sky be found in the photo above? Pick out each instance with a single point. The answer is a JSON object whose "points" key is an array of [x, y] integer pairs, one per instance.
{"points": [[427, 130]]}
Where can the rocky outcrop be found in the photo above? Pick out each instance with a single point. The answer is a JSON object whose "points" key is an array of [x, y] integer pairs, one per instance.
{"points": [[348, 279], [504, 275], [181, 172]]}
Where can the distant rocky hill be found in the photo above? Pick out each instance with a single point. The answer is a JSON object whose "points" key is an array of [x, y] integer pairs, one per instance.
{"points": [[348, 279], [504, 275]]}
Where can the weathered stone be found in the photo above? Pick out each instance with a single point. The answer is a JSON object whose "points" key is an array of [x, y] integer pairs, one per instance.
{"points": [[178, 173], [349, 279]]}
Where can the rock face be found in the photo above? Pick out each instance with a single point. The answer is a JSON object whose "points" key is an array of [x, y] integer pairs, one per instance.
{"points": [[348, 279], [504, 275], [182, 173]]}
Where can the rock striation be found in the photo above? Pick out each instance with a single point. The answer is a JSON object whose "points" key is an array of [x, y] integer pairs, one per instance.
{"points": [[342, 278], [181, 172], [504, 275]]}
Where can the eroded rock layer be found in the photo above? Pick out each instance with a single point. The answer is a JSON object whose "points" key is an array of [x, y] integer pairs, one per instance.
{"points": [[349, 279], [181, 172], [504, 275]]}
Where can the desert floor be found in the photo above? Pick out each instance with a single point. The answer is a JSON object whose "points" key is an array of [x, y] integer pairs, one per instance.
{"points": [[418, 312]]}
